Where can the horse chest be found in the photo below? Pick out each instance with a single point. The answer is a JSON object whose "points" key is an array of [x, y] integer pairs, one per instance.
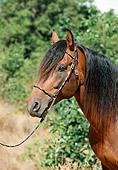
{"points": [[106, 151]]}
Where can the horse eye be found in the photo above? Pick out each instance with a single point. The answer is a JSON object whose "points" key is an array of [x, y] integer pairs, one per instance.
{"points": [[61, 68]]}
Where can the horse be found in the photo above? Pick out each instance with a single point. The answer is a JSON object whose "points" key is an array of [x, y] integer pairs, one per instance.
{"points": [[70, 69]]}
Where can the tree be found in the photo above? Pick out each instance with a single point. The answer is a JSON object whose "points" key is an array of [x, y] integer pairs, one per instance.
{"points": [[25, 36]]}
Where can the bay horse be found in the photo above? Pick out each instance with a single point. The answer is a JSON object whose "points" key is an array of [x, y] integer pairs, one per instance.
{"points": [[69, 69]]}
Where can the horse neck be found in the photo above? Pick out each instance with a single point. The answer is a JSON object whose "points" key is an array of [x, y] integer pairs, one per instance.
{"points": [[80, 94], [88, 112], [101, 117]]}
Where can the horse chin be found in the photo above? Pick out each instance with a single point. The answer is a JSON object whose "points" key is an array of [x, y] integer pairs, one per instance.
{"points": [[43, 115]]}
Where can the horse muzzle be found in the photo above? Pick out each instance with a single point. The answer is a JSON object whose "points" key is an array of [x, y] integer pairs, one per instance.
{"points": [[35, 109]]}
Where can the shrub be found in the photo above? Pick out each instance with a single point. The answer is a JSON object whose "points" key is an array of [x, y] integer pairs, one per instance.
{"points": [[70, 129], [13, 60]]}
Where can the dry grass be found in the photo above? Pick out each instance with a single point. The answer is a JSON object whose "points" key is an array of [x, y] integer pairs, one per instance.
{"points": [[13, 129], [69, 165]]}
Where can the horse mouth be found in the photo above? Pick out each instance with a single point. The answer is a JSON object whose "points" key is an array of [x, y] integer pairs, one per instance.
{"points": [[43, 115], [40, 115]]}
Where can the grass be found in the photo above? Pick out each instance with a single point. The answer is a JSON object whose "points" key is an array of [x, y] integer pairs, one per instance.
{"points": [[14, 128]]}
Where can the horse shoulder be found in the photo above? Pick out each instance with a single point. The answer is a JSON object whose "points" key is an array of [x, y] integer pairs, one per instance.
{"points": [[106, 149]]}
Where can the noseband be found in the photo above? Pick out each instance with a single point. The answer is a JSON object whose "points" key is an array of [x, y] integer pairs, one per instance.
{"points": [[72, 68]]}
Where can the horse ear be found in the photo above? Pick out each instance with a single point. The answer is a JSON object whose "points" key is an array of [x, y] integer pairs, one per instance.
{"points": [[70, 40], [54, 37]]}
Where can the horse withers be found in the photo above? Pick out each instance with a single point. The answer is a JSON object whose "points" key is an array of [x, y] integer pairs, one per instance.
{"points": [[69, 69]]}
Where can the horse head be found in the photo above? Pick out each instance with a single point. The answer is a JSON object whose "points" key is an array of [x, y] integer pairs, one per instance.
{"points": [[61, 74]]}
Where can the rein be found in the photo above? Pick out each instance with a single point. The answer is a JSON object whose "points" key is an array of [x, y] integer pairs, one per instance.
{"points": [[53, 96], [13, 146], [73, 67]]}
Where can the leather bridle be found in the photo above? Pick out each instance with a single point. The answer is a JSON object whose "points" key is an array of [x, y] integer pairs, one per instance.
{"points": [[72, 68]]}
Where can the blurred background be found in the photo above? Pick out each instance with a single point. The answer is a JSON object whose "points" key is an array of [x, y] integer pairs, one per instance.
{"points": [[25, 36]]}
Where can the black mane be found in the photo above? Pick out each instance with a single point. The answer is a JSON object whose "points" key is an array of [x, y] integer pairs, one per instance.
{"points": [[101, 85], [52, 57], [101, 80]]}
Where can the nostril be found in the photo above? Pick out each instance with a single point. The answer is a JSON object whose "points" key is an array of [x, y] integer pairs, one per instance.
{"points": [[36, 106]]}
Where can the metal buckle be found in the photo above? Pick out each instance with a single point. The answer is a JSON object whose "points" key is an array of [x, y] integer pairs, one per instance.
{"points": [[76, 72], [72, 66]]}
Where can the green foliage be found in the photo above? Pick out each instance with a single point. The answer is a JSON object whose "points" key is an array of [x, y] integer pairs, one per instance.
{"points": [[25, 36], [13, 60], [71, 130], [101, 30], [26, 28], [31, 153]]}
